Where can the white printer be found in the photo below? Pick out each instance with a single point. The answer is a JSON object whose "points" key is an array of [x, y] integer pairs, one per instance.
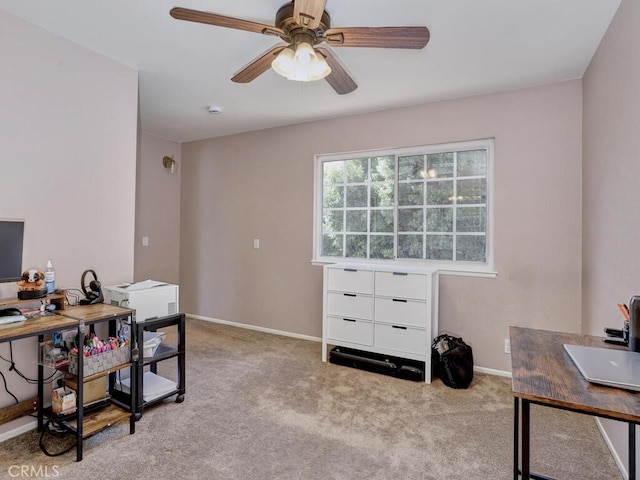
{"points": [[150, 299]]}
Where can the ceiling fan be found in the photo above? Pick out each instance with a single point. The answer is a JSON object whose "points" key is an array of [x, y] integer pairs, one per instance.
{"points": [[305, 27]]}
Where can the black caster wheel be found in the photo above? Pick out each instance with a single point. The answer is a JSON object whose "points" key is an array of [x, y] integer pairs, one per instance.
{"points": [[180, 398]]}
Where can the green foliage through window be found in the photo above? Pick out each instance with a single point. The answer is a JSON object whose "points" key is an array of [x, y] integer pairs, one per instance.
{"points": [[427, 205]]}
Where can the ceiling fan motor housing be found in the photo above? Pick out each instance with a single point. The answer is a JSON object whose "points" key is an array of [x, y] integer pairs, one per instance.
{"points": [[286, 22]]}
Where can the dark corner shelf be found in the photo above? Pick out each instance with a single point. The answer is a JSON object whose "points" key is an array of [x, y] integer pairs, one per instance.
{"points": [[162, 352]]}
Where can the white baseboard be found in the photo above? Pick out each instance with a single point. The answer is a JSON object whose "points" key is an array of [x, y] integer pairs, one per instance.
{"points": [[621, 466], [253, 327], [18, 431], [489, 371]]}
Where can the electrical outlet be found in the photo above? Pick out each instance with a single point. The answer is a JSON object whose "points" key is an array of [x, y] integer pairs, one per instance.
{"points": [[507, 345]]}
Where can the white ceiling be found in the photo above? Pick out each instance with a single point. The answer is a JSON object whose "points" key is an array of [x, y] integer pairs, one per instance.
{"points": [[476, 46]]}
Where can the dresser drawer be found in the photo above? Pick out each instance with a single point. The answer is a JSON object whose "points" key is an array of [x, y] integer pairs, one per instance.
{"points": [[401, 311], [401, 285], [401, 339], [350, 280], [343, 304], [350, 330]]}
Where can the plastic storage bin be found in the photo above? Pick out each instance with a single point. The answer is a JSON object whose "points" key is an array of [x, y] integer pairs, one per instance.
{"points": [[152, 341]]}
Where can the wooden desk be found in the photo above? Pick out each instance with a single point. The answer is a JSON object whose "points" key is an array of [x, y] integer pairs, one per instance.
{"points": [[543, 374], [33, 327], [77, 318], [95, 313]]}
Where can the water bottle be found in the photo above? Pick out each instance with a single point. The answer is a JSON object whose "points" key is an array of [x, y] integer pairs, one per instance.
{"points": [[50, 278]]}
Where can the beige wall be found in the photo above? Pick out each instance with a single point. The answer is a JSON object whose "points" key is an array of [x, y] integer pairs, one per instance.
{"points": [[260, 185], [157, 212], [611, 255], [68, 137]]}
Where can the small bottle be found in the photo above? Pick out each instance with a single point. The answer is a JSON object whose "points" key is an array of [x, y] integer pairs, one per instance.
{"points": [[50, 278]]}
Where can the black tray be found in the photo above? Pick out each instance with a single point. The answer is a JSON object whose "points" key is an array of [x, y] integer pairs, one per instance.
{"points": [[378, 363]]}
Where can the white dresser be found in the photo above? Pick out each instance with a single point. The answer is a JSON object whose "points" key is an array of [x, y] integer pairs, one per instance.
{"points": [[381, 309]]}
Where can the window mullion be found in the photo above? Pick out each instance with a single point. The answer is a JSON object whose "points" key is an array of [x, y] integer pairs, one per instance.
{"points": [[425, 186], [396, 203], [344, 210], [454, 202], [369, 206]]}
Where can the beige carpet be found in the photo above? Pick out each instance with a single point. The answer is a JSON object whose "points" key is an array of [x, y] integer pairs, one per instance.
{"points": [[261, 406]]}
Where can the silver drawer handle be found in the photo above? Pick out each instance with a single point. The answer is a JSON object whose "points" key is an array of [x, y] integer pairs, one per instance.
{"points": [[401, 300], [398, 327]]}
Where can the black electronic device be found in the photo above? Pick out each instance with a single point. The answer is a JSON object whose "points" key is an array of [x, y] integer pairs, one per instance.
{"points": [[11, 240], [378, 363], [32, 294], [613, 332], [620, 336], [6, 312], [92, 293]]}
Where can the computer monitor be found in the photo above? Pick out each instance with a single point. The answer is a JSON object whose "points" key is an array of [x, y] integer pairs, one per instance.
{"points": [[11, 243]]}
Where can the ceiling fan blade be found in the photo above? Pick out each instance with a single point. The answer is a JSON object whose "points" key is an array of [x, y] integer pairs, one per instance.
{"points": [[258, 66], [378, 37], [222, 21], [339, 79], [308, 13]]}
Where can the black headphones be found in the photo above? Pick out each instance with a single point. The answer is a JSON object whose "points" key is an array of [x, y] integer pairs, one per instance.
{"points": [[94, 294]]}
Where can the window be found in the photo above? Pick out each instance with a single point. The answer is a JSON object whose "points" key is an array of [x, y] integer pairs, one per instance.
{"points": [[428, 204]]}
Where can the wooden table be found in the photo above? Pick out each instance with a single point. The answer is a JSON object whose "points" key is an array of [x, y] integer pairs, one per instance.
{"points": [[76, 318], [543, 374], [35, 326], [32, 327]]}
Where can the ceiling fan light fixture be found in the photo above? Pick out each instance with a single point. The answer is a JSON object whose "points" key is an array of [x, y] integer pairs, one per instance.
{"points": [[284, 63], [303, 65], [319, 68], [305, 54]]}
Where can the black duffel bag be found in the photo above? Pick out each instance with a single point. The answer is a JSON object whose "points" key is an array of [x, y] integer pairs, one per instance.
{"points": [[452, 361]]}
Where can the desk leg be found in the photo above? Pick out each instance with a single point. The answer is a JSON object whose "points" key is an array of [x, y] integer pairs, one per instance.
{"points": [[632, 451], [40, 397], [526, 408], [40, 390], [516, 437]]}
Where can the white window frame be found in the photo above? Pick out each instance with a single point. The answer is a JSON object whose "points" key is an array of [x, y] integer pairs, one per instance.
{"points": [[453, 267]]}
